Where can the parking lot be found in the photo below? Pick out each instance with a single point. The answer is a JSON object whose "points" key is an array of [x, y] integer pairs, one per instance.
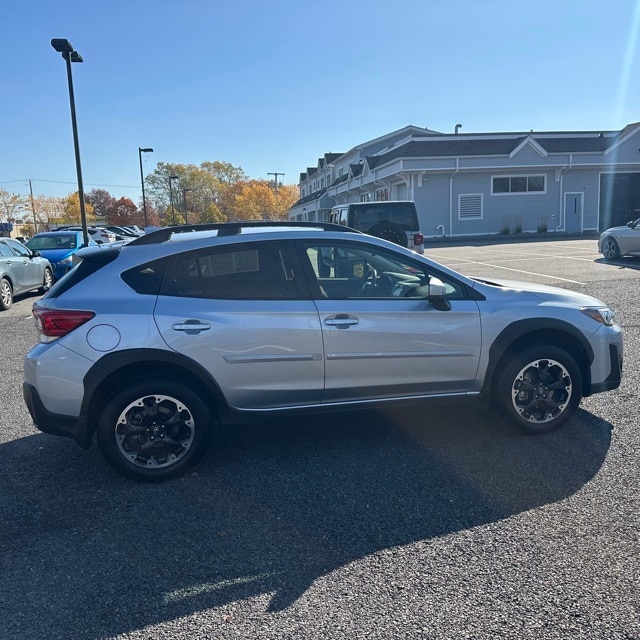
{"points": [[438, 522]]}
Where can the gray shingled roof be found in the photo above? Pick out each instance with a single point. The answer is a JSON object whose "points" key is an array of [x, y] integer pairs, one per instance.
{"points": [[488, 147]]}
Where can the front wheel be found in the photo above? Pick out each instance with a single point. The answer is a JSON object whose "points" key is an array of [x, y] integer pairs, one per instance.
{"points": [[539, 388], [6, 294], [610, 249], [47, 282], [154, 430]]}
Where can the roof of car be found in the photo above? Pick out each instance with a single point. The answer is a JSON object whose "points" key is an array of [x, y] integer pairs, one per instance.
{"points": [[236, 228]]}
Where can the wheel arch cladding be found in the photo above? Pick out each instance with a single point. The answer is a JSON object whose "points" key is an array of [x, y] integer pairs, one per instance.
{"points": [[115, 370], [537, 331]]}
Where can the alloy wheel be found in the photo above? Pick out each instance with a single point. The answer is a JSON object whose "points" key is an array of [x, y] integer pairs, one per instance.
{"points": [[541, 391]]}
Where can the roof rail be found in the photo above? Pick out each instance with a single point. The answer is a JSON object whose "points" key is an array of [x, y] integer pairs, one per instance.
{"points": [[232, 229]]}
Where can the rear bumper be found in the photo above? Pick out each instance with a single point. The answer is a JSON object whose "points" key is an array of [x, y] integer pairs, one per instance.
{"points": [[74, 427]]}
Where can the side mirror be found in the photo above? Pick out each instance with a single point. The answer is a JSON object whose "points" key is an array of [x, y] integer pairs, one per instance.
{"points": [[631, 224], [437, 295], [35, 253]]}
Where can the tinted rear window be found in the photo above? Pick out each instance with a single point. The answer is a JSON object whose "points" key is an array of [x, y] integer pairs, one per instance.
{"points": [[146, 278], [367, 215]]}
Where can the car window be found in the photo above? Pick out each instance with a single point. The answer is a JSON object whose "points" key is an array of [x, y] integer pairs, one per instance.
{"points": [[5, 252], [17, 248], [346, 270], [252, 271]]}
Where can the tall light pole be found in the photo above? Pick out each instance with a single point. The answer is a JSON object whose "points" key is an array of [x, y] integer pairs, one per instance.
{"points": [[184, 202], [70, 55], [173, 211], [144, 202]]}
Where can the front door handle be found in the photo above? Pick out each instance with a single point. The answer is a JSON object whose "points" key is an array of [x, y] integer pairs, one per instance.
{"points": [[341, 320], [191, 327]]}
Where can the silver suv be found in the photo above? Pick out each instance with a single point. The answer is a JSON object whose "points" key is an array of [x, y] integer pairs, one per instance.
{"points": [[153, 343]]}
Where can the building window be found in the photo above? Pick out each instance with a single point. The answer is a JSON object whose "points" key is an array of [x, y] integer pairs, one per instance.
{"points": [[469, 206], [365, 197], [382, 195], [518, 184]]}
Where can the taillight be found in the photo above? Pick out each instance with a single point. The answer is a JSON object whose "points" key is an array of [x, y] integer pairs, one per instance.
{"points": [[418, 239], [54, 323]]}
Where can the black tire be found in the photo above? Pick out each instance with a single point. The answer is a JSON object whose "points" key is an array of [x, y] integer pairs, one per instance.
{"points": [[390, 231], [610, 249], [154, 430], [47, 281], [6, 294], [539, 389]]}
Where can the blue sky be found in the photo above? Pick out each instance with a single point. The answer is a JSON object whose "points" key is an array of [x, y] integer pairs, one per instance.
{"points": [[273, 85]]}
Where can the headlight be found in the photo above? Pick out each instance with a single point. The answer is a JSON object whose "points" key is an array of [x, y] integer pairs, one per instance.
{"points": [[68, 260], [600, 314]]}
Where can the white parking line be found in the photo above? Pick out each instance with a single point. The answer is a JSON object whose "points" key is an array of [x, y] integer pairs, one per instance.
{"points": [[529, 273]]}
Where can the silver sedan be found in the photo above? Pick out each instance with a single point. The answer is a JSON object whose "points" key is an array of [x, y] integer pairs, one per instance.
{"points": [[618, 242]]}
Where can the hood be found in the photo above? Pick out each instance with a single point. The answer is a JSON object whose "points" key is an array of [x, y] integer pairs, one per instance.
{"points": [[55, 255], [545, 292], [614, 230]]}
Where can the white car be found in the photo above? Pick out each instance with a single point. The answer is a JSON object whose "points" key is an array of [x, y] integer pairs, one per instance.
{"points": [[98, 234], [618, 242]]}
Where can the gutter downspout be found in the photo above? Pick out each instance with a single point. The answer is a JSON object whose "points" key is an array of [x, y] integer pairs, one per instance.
{"points": [[451, 177], [561, 221]]}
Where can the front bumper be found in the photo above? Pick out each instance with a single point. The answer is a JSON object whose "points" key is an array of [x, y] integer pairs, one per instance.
{"points": [[75, 427]]}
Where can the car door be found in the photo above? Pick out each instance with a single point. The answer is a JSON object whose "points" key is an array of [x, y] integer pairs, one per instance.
{"points": [[382, 337], [33, 268], [244, 313]]}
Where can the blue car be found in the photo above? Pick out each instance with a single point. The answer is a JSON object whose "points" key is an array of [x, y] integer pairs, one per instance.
{"points": [[58, 247]]}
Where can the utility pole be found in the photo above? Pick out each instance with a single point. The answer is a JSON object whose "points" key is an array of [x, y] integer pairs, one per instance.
{"points": [[275, 174], [33, 209]]}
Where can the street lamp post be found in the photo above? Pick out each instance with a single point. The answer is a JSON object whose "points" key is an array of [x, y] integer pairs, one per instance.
{"points": [[184, 202], [173, 211], [70, 55], [144, 202]]}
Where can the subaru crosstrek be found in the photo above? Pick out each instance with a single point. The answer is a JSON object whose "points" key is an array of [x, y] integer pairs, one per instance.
{"points": [[153, 343]]}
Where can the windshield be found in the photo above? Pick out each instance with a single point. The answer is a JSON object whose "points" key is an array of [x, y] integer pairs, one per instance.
{"points": [[40, 243]]}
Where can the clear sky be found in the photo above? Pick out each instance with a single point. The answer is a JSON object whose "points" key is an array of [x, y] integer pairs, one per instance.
{"points": [[271, 86]]}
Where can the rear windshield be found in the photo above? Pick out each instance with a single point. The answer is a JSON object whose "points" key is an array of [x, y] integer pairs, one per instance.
{"points": [[366, 215], [85, 268]]}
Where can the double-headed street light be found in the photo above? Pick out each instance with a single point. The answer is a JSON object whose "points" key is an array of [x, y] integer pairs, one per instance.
{"points": [[70, 55], [144, 202], [173, 211]]}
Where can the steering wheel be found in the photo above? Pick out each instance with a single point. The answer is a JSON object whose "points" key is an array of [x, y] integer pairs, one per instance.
{"points": [[368, 282]]}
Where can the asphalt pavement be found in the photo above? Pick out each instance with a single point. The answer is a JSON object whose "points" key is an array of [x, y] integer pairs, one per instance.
{"points": [[438, 522]]}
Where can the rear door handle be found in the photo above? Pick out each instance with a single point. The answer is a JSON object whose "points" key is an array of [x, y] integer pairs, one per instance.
{"points": [[341, 320], [191, 326]]}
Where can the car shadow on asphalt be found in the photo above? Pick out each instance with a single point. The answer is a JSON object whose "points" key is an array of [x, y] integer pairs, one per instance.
{"points": [[622, 263], [269, 510]]}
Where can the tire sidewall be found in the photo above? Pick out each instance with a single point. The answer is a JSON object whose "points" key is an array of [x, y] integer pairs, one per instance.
{"points": [[504, 385], [5, 283], [122, 398]]}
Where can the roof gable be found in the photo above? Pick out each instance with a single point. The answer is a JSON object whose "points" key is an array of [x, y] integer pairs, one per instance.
{"points": [[529, 141]]}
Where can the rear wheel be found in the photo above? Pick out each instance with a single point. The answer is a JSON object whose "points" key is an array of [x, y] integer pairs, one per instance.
{"points": [[6, 294], [610, 249], [154, 430], [540, 388]]}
